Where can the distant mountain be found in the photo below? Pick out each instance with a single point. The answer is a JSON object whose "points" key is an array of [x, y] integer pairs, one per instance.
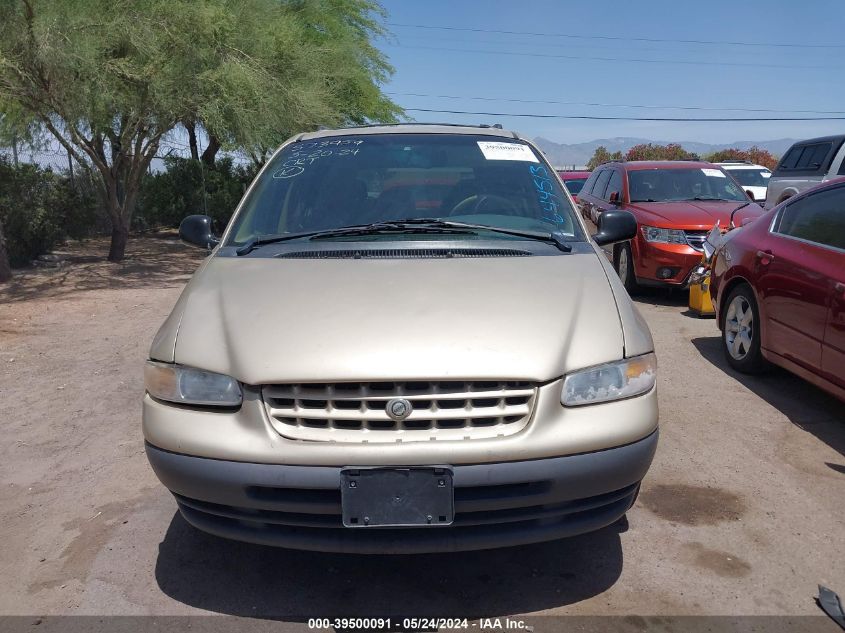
{"points": [[562, 155]]}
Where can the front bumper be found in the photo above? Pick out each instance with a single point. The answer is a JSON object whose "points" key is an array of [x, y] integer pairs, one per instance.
{"points": [[496, 504], [653, 256]]}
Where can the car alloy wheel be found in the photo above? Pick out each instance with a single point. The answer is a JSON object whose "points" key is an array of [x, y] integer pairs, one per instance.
{"points": [[739, 327], [622, 264]]}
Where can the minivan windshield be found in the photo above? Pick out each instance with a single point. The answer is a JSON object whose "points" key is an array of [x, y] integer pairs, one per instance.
{"points": [[352, 180], [669, 185], [751, 177]]}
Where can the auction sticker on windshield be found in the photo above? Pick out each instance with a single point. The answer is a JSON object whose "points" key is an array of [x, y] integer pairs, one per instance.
{"points": [[717, 173], [506, 151]]}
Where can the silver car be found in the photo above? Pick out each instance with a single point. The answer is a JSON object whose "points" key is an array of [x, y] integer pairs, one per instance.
{"points": [[806, 164], [404, 341]]}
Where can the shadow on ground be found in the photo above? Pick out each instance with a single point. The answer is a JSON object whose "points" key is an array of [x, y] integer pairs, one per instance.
{"points": [[806, 406], [151, 262], [662, 296], [241, 579]]}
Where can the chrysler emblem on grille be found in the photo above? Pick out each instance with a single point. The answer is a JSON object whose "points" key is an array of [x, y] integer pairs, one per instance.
{"points": [[398, 409]]}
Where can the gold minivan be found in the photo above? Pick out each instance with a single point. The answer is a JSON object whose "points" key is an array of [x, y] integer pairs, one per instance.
{"points": [[405, 341]]}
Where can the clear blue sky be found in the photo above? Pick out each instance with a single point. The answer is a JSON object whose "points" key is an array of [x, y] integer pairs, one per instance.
{"points": [[422, 66]]}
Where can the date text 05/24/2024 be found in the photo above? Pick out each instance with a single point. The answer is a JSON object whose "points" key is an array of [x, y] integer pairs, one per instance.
{"points": [[418, 624]]}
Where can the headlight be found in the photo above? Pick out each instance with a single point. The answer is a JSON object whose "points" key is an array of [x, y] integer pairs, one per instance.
{"points": [[614, 381], [664, 236], [186, 385]]}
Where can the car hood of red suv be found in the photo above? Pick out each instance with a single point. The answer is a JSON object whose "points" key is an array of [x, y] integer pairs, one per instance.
{"points": [[692, 214]]}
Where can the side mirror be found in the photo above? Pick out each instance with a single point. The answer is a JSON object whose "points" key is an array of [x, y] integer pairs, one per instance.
{"points": [[614, 198], [615, 226], [196, 231]]}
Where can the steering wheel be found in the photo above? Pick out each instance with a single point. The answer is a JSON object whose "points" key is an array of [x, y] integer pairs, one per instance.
{"points": [[476, 202]]}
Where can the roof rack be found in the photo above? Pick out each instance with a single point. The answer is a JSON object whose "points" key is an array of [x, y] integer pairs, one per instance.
{"points": [[497, 126], [736, 162]]}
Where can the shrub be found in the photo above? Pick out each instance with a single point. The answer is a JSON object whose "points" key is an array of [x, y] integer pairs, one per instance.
{"points": [[189, 186], [754, 155], [650, 151], [39, 209]]}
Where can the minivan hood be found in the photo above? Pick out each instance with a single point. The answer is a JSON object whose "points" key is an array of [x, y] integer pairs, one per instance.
{"points": [[271, 320], [695, 214]]}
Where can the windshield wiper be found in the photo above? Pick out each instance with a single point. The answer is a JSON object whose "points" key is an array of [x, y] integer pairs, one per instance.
{"points": [[413, 225], [555, 239], [388, 227], [705, 198], [358, 229]]}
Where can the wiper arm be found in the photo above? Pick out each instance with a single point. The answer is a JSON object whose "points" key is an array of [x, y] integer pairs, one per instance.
{"points": [[254, 242], [733, 213]]}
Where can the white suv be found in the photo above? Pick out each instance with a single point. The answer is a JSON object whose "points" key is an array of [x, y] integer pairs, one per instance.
{"points": [[754, 179]]}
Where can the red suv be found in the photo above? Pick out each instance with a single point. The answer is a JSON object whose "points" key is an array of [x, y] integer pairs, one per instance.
{"points": [[675, 203], [778, 286]]}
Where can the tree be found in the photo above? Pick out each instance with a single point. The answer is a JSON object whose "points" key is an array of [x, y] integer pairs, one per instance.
{"points": [[650, 151], [753, 154], [110, 80], [600, 156], [342, 74]]}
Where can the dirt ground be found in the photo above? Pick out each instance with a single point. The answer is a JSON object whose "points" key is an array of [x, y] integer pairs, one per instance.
{"points": [[742, 512]]}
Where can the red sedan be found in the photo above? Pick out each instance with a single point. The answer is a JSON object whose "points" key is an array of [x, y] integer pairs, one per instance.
{"points": [[574, 180], [778, 287]]}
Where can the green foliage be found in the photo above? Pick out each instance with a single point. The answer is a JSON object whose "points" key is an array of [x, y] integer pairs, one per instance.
{"points": [[601, 155], [17, 125], [38, 209], [673, 151], [110, 79], [651, 151], [188, 186], [754, 155]]}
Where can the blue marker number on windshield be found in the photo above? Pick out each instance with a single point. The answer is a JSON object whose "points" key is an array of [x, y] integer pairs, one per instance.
{"points": [[545, 194]]}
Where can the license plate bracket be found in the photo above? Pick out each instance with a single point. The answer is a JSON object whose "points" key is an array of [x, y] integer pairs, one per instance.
{"points": [[397, 497]]}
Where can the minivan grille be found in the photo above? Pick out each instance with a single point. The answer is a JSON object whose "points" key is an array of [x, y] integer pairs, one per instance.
{"points": [[441, 410], [696, 239], [405, 253]]}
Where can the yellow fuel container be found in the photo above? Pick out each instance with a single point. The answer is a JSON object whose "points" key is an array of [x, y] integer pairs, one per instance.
{"points": [[699, 295]]}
